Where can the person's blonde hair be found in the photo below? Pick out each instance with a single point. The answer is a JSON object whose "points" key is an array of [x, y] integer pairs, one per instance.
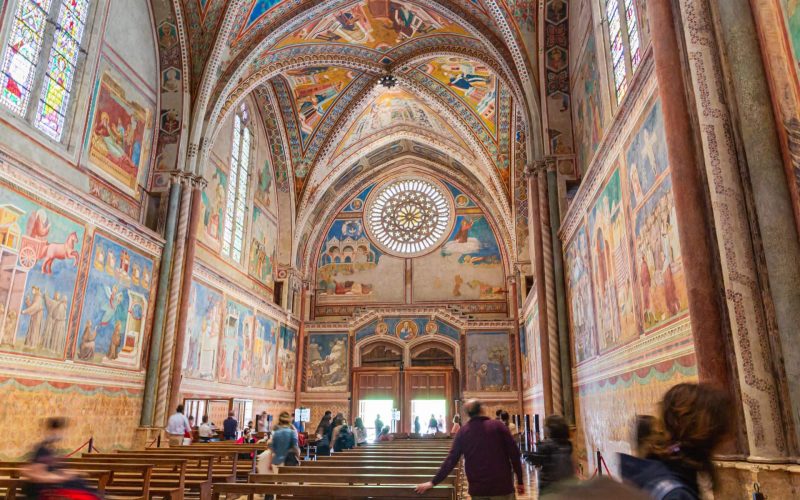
{"points": [[284, 420]]}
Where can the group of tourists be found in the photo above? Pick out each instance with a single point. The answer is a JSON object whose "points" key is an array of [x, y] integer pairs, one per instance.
{"points": [[672, 451]]}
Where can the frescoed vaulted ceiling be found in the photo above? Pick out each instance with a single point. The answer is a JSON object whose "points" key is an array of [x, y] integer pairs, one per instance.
{"points": [[339, 81]]}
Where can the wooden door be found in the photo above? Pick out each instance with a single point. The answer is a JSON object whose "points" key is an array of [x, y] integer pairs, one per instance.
{"points": [[428, 383], [375, 383]]}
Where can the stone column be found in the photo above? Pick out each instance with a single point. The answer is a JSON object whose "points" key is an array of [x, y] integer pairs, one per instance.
{"points": [[168, 346], [564, 349], [550, 293], [197, 185], [537, 259], [727, 236], [159, 316]]}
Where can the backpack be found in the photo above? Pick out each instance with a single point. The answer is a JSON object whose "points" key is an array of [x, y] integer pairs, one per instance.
{"points": [[345, 439]]}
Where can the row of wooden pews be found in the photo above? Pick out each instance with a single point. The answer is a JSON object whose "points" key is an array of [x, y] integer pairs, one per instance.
{"points": [[228, 470], [384, 470], [167, 473]]}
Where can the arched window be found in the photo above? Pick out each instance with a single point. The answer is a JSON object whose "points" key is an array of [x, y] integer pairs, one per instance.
{"points": [[23, 65], [624, 42], [236, 206]]}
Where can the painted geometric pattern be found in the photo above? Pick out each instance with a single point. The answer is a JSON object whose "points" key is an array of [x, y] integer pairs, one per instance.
{"points": [[202, 19], [275, 139], [254, 18], [302, 160]]}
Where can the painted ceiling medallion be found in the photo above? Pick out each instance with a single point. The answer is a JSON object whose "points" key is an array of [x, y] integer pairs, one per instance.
{"points": [[409, 217]]}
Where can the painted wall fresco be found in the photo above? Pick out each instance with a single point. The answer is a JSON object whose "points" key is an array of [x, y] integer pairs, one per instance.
{"points": [[213, 199], [472, 81], [206, 308], [116, 306], [314, 90], [792, 9], [235, 363], [265, 348], [611, 267], [467, 267], [263, 236], [589, 115], [488, 362], [580, 297], [287, 359], [532, 360], [407, 328], [351, 268], [328, 367], [378, 25], [264, 191], [40, 250], [120, 132], [662, 285]]}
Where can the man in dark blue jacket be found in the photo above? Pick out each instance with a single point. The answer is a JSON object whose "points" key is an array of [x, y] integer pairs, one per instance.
{"points": [[491, 457], [229, 428]]}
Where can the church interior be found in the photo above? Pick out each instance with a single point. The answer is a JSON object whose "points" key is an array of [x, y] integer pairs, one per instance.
{"points": [[390, 207]]}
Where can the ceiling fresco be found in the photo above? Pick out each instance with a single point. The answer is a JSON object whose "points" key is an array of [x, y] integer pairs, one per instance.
{"points": [[314, 90], [473, 82], [461, 73], [392, 108]]}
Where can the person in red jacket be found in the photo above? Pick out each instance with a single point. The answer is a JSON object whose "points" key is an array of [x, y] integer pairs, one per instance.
{"points": [[491, 457]]}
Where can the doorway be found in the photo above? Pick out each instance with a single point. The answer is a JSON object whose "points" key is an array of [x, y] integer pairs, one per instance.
{"points": [[370, 409], [424, 409]]}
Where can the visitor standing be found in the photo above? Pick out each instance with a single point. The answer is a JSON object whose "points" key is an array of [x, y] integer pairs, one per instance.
{"points": [[360, 432], [694, 420], [177, 427], [433, 425], [284, 441], [229, 427], [553, 455], [322, 428], [417, 425], [456, 425], [378, 426], [491, 458]]}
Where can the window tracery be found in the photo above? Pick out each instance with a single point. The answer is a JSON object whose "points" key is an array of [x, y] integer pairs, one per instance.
{"points": [[409, 216], [236, 203]]}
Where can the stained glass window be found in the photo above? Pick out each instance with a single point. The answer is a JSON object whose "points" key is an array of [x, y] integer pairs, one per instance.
{"points": [[409, 216], [61, 67], [624, 42], [21, 54], [633, 33], [236, 204], [617, 47]]}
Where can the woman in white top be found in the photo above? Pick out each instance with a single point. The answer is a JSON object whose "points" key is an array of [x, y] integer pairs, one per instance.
{"points": [[206, 430], [360, 432]]}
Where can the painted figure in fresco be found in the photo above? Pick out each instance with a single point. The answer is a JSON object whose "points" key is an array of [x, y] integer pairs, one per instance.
{"points": [[10, 327], [466, 81], [463, 231], [35, 309], [56, 323], [480, 376], [38, 225], [86, 349], [112, 305], [116, 340], [407, 21]]}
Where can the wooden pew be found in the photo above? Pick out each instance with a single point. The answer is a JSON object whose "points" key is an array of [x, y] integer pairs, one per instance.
{"points": [[328, 491], [351, 479], [98, 479]]}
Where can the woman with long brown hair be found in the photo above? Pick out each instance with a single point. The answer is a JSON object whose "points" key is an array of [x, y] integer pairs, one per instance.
{"points": [[694, 420]]}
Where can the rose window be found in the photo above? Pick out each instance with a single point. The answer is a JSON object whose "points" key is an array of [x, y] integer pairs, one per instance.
{"points": [[409, 217]]}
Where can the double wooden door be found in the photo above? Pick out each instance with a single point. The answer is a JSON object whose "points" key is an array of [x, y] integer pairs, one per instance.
{"points": [[404, 386]]}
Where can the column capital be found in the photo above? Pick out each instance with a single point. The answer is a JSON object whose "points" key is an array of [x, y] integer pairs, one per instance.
{"points": [[550, 163], [533, 168]]}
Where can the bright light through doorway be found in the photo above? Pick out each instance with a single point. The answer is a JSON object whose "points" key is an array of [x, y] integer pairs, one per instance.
{"points": [[424, 409], [369, 410]]}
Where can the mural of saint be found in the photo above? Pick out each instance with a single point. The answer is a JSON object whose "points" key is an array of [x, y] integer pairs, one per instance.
{"points": [[328, 363]]}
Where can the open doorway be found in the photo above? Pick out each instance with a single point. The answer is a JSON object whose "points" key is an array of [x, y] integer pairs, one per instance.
{"points": [[370, 409], [428, 411]]}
